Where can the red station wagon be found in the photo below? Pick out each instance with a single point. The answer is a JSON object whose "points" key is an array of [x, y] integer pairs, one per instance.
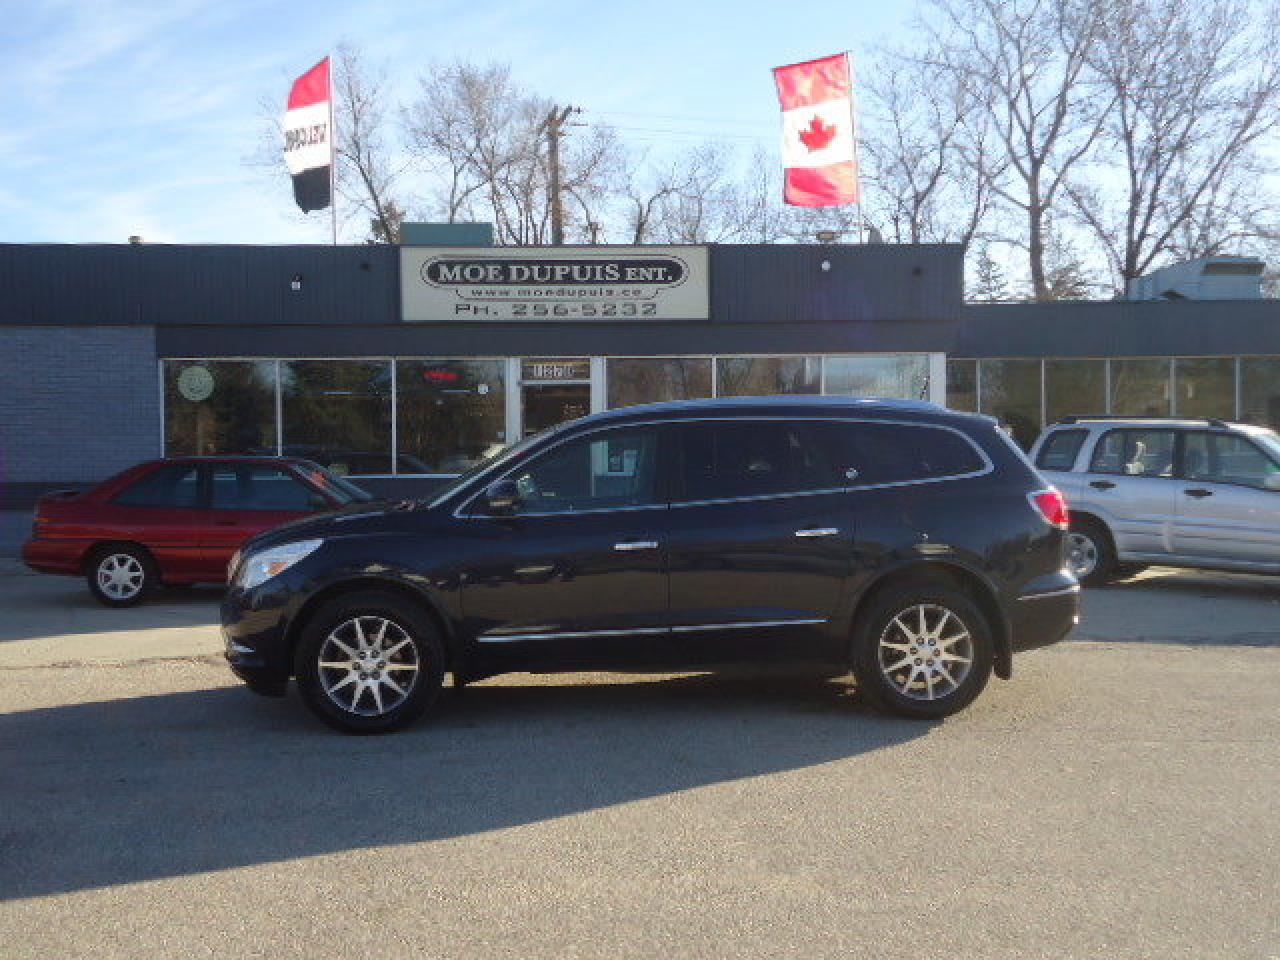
{"points": [[174, 521]]}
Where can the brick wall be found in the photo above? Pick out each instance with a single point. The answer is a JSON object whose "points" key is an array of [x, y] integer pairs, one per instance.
{"points": [[77, 404]]}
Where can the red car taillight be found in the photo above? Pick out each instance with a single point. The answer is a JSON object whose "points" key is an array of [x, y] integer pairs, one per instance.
{"points": [[1052, 506]]}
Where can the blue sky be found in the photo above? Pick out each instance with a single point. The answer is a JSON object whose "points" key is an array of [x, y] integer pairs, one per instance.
{"points": [[121, 118]]}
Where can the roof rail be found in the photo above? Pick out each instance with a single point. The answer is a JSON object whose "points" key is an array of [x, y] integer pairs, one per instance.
{"points": [[1215, 422]]}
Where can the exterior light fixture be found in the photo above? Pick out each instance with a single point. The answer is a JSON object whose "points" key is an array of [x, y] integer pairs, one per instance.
{"points": [[296, 283]]}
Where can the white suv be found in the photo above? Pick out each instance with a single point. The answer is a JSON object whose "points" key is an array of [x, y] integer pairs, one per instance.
{"points": [[1174, 492]]}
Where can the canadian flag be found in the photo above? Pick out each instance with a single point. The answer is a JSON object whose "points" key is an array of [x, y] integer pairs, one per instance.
{"points": [[817, 132], [308, 138]]}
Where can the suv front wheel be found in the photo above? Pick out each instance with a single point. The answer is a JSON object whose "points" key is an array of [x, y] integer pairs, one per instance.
{"points": [[369, 662], [922, 650]]}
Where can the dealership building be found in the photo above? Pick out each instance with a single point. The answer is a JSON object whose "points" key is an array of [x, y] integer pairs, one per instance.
{"points": [[405, 364]]}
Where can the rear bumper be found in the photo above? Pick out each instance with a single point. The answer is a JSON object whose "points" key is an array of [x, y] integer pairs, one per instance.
{"points": [[54, 556], [1039, 619]]}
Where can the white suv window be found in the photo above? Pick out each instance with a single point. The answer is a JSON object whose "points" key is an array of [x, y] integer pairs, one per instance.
{"points": [[1134, 453], [1226, 458], [1058, 452]]}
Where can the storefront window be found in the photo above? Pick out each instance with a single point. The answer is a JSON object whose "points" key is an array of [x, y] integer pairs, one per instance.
{"points": [[449, 413], [338, 413], [1260, 391], [1140, 387], [1011, 393], [633, 381], [962, 385], [1206, 387], [904, 376], [219, 406], [1074, 387], [767, 376]]}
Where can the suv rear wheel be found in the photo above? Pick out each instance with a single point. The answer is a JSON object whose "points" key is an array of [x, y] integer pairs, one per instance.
{"points": [[922, 650], [369, 662], [1090, 555]]}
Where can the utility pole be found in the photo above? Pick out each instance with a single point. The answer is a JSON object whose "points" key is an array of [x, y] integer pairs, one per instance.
{"points": [[555, 130]]}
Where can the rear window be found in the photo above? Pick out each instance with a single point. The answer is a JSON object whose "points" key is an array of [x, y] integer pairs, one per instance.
{"points": [[752, 458], [1134, 453], [901, 453], [175, 485], [1059, 450]]}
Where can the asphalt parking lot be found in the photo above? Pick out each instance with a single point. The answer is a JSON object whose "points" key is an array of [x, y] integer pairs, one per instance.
{"points": [[1117, 798]]}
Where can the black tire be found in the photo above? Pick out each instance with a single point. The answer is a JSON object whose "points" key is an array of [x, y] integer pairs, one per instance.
{"points": [[906, 689], [331, 633], [1091, 556], [120, 575]]}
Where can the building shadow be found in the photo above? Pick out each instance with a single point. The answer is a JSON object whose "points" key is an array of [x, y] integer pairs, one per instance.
{"points": [[122, 791]]}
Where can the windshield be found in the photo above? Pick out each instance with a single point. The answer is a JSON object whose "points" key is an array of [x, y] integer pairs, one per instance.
{"points": [[1269, 442], [490, 461], [339, 488]]}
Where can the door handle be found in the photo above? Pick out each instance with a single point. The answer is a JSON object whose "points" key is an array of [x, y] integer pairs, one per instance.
{"points": [[818, 532], [627, 545], [225, 523], [1101, 484], [1198, 492]]}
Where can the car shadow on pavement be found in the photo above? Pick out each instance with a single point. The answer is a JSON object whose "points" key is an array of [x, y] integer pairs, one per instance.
{"points": [[38, 607], [122, 791]]}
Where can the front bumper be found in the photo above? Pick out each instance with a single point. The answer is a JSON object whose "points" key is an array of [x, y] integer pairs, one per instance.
{"points": [[255, 639]]}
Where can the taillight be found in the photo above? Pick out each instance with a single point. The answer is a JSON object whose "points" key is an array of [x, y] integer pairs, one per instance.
{"points": [[1052, 506]]}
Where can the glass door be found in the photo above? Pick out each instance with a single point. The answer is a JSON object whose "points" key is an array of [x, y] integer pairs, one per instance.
{"points": [[553, 391]]}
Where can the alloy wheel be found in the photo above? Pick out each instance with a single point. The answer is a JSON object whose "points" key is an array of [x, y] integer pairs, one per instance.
{"points": [[1082, 554], [368, 665], [120, 576], [925, 652]]}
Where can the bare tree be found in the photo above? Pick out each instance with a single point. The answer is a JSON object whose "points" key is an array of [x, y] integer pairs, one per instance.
{"points": [[1022, 64], [1194, 89], [366, 172], [929, 167]]}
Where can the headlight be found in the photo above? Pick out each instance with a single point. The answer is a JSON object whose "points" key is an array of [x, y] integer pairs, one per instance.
{"points": [[256, 568]]}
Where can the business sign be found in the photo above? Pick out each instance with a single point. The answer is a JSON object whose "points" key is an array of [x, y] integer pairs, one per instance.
{"points": [[441, 284]]}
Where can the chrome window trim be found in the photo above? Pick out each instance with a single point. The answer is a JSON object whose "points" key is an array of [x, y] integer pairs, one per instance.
{"points": [[988, 466], [648, 631]]}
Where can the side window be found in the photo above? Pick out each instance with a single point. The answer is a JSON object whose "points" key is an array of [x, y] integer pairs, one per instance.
{"points": [[1226, 458], [609, 469], [1134, 453], [253, 487], [900, 453], [176, 485], [1059, 450], [752, 458]]}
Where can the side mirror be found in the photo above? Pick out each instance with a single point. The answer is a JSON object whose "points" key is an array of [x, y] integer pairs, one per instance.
{"points": [[502, 498]]}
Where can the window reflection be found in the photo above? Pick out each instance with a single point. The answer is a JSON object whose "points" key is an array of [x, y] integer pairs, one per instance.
{"points": [[650, 380], [1260, 391], [219, 406], [449, 413], [1010, 392], [962, 385], [768, 376], [1140, 386], [338, 413], [903, 376], [1206, 387], [1074, 387]]}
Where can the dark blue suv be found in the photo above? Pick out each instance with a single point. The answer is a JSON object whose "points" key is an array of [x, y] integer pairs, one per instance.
{"points": [[907, 543]]}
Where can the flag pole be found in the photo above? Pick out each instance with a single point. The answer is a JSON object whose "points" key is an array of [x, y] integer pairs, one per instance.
{"points": [[857, 152], [333, 162]]}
